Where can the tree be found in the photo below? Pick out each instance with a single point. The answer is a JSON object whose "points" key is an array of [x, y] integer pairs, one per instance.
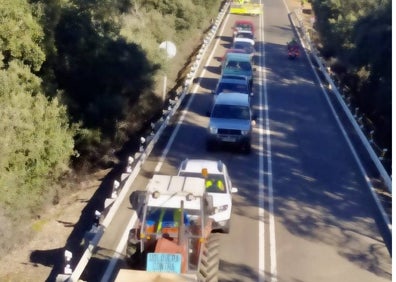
{"points": [[20, 34], [357, 34], [372, 37], [36, 139]]}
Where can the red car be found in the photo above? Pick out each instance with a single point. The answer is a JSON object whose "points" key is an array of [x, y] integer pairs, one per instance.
{"points": [[243, 25]]}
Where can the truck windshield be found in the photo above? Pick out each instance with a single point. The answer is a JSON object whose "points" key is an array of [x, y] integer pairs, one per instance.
{"points": [[232, 87], [214, 182], [231, 112]]}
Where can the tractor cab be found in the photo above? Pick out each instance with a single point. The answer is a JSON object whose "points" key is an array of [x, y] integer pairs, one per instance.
{"points": [[174, 221]]}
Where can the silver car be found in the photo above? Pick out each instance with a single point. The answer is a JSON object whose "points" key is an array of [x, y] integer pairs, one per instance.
{"points": [[231, 122]]}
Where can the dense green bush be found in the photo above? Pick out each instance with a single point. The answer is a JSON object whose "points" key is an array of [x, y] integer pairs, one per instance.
{"points": [[37, 140], [20, 34], [357, 36]]}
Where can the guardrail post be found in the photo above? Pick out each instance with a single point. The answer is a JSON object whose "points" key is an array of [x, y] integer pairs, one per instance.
{"points": [[142, 142], [349, 101], [360, 121], [372, 136], [356, 112], [129, 165], [68, 256], [383, 153], [116, 185], [98, 214]]}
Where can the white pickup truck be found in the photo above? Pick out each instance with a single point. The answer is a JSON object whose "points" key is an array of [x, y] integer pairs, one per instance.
{"points": [[215, 173]]}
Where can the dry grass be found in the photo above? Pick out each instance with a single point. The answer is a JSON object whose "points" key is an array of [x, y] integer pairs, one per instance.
{"points": [[49, 232]]}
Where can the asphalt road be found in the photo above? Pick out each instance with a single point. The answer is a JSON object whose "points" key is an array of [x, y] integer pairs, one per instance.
{"points": [[303, 211]]}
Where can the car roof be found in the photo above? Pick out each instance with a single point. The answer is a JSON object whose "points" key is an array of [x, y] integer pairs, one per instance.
{"points": [[245, 31], [238, 51], [243, 39], [233, 98], [234, 76], [196, 165], [238, 80], [243, 22], [238, 56]]}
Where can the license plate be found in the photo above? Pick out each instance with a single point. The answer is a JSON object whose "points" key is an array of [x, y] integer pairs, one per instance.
{"points": [[228, 139]]}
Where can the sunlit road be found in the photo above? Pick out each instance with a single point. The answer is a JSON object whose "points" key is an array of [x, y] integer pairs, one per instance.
{"points": [[303, 211]]}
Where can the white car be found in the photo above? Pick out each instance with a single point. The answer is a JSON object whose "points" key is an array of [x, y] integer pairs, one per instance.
{"points": [[245, 44], [222, 198], [245, 34]]}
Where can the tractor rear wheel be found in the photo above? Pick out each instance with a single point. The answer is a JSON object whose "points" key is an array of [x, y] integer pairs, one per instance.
{"points": [[209, 264]]}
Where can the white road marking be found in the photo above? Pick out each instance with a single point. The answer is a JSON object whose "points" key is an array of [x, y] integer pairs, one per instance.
{"points": [[261, 186], [272, 239]]}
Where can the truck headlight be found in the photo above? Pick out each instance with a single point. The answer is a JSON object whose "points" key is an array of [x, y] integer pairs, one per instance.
{"points": [[221, 208], [213, 130], [244, 132]]}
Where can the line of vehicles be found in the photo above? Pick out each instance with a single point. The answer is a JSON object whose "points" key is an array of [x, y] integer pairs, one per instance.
{"points": [[231, 117], [179, 217]]}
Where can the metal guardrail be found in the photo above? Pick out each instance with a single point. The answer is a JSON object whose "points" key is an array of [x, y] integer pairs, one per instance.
{"points": [[127, 178], [354, 119]]}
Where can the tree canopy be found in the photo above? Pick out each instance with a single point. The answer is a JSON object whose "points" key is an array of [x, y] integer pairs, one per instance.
{"points": [[357, 35]]}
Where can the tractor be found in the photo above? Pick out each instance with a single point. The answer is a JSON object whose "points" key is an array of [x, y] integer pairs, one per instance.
{"points": [[173, 233]]}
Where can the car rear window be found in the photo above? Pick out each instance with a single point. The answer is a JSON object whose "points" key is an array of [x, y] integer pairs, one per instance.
{"points": [[243, 26], [244, 35], [246, 66], [246, 46]]}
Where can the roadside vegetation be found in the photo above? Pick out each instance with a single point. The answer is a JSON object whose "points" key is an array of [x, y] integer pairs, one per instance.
{"points": [[78, 80], [355, 37]]}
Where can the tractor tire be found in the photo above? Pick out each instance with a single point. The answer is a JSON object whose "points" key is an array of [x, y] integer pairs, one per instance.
{"points": [[134, 256], [226, 228], [209, 265]]}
